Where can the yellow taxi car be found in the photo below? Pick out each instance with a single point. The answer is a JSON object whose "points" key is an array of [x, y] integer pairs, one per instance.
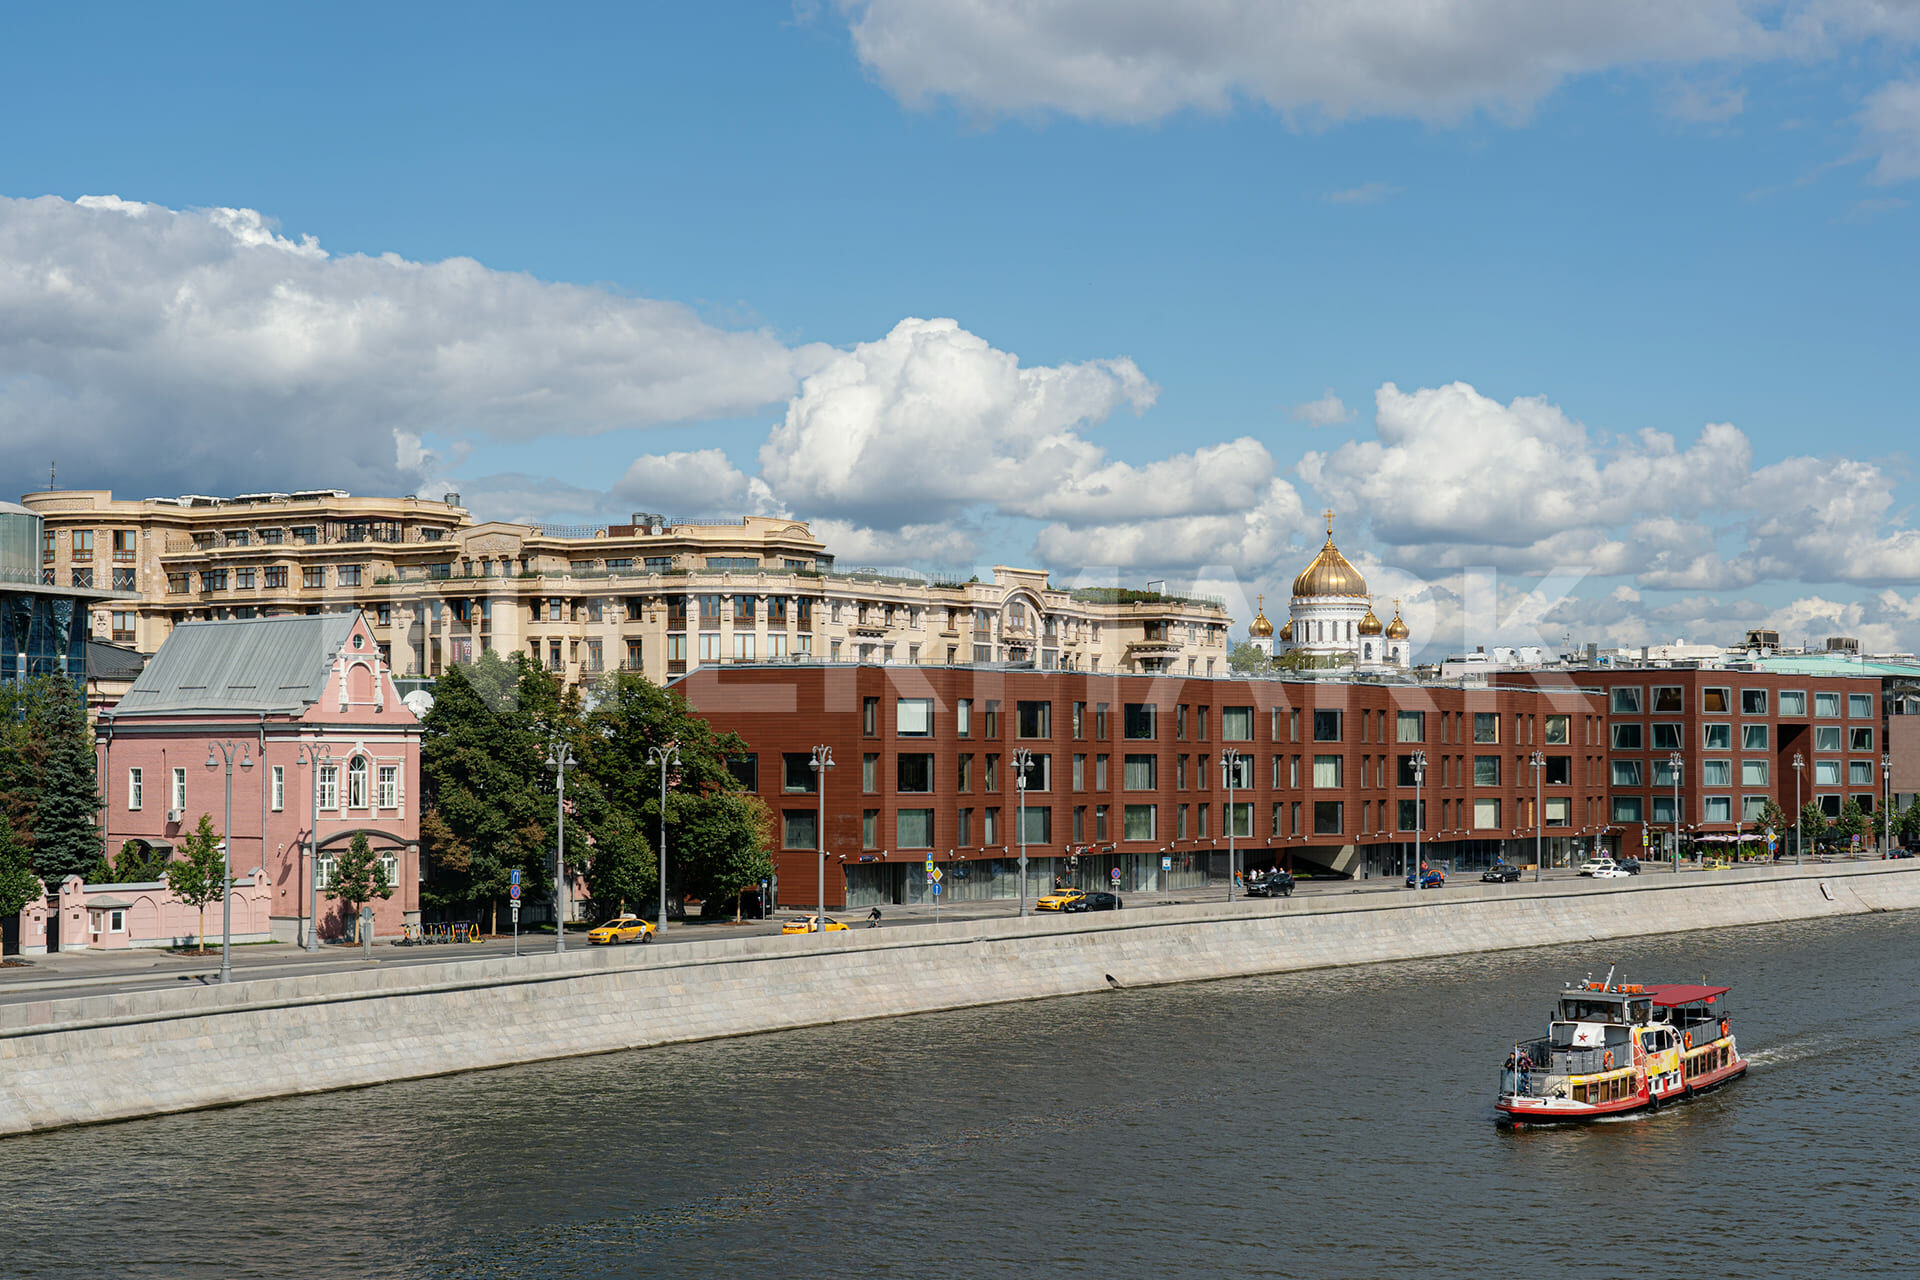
{"points": [[1059, 899], [621, 929], [806, 924]]}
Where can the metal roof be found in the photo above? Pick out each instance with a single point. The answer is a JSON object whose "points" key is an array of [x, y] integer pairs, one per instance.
{"points": [[113, 662], [248, 664], [1813, 664]]}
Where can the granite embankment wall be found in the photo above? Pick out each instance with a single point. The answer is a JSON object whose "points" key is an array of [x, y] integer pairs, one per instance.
{"points": [[91, 1059]]}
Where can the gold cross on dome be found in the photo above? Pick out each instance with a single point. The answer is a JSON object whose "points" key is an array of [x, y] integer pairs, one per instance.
{"points": [[1328, 513]]}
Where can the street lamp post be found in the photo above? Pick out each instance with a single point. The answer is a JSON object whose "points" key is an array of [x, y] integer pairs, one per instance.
{"points": [[1022, 761], [1799, 827], [1538, 760], [1675, 763], [821, 762], [312, 756], [1886, 804], [226, 751], [1230, 765], [559, 758], [662, 756], [1419, 759]]}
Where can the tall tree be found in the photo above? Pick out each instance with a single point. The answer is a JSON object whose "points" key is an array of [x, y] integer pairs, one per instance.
{"points": [[358, 878], [1247, 659], [1853, 823], [66, 838], [199, 876], [18, 884], [1813, 823], [1907, 829], [1772, 818]]}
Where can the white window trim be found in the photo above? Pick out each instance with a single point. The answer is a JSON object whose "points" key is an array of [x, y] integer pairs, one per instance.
{"points": [[136, 788]]}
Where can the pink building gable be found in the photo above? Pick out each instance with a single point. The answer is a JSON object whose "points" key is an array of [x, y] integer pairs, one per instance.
{"points": [[281, 691]]}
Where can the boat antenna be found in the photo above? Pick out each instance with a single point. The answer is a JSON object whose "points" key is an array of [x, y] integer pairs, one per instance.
{"points": [[1609, 986]]}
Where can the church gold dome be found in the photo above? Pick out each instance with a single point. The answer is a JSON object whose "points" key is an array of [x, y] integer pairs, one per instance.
{"points": [[1369, 625], [1260, 628], [1397, 630], [1286, 631], [1329, 574]]}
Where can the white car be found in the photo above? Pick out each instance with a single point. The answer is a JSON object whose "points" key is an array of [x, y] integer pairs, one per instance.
{"points": [[1600, 867], [1608, 872]]}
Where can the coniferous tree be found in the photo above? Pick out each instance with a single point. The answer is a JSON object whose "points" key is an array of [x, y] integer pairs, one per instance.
{"points": [[66, 840]]}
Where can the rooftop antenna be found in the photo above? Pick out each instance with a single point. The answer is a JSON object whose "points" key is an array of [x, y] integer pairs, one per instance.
{"points": [[50, 483]]}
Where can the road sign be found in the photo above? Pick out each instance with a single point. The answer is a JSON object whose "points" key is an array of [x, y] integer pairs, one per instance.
{"points": [[1166, 864], [936, 888], [1115, 875], [515, 904], [516, 877], [513, 892], [937, 876]]}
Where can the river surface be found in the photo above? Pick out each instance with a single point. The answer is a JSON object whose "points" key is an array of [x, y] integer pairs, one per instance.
{"points": [[1336, 1123]]}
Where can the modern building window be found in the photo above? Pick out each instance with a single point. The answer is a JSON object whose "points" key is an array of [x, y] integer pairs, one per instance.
{"points": [[1242, 770], [1716, 737], [1629, 809], [1239, 819], [1486, 771], [990, 824], [963, 833], [1662, 812], [1753, 702], [1326, 771], [1667, 736], [1752, 808], [134, 788], [1627, 737], [1100, 772], [1137, 721], [1859, 739], [869, 828], [964, 772], [1558, 811], [1559, 729], [1860, 705], [990, 719], [1411, 726], [1753, 773], [1329, 817], [1716, 808], [1668, 699], [1326, 725], [1664, 773], [913, 717], [1559, 771], [1140, 773], [1826, 704], [963, 718], [1486, 726], [1627, 773], [1409, 817], [1859, 773], [1716, 773], [870, 773], [1039, 820], [990, 772], [1626, 701], [1236, 724], [1079, 771], [915, 772], [1793, 702], [388, 796], [1716, 702], [177, 800], [1100, 719], [1180, 723], [1099, 822], [1141, 822], [797, 773], [913, 828], [1486, 814], [1033, 719], [1826, 737]]}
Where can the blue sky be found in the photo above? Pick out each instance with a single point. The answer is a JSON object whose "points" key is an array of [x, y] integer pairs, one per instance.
{"points": [[660, 257]]}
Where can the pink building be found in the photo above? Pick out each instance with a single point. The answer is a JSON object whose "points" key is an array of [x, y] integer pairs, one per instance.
{"points": [[308, 702], [119, 917]]}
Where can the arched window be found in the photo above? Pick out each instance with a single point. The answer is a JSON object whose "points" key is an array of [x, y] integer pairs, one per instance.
{"points": [[357, 783]]}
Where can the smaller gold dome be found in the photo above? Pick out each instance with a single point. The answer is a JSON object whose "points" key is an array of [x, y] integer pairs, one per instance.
{"points": [[1286, 631], [1369, 625], [1260, 628], [1397, 630]]}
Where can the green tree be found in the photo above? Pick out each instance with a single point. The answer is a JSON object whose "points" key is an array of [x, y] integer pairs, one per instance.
{"points": [[1813, 823], [66, 837], [199, 876], [718, 835], [1853, 821], [1908, 828], [1772, 818], [18, 884], [1247, 659], [358, 878]]}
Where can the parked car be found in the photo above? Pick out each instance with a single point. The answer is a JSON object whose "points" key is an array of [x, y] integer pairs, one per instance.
{"points": [[1629, 865], [1094, 902], [1898, 853], [1430, 878], [1501, 873], [621, 929], [1608, 872], [1277, 883], [1595, 866], [807, 924], [1059, 900]]}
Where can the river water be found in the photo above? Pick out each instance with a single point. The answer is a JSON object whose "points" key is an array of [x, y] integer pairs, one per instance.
{"points": [[1336, 1123]]}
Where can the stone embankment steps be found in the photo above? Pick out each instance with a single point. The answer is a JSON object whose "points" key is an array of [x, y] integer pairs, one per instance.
{"points": [[108, 1057]]}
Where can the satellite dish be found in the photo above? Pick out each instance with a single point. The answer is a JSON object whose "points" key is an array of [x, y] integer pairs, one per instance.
{"points": [[419, 702]]}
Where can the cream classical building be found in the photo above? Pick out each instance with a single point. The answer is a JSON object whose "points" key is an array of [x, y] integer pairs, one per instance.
{"points": [[656, 595]]}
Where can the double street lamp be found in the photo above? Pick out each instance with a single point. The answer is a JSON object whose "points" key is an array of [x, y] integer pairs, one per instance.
{"points": [[560, 759], [662, 756], [1229, 767], [1419, 762], [1675, 763], [1886, 803], [1023, 761], [821, 762], [226, 751], [1538, 763], [311, 756], [1799, 827]]}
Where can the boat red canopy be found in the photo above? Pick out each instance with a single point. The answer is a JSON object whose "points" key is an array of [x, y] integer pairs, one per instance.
{"points": [[1669, 995]]}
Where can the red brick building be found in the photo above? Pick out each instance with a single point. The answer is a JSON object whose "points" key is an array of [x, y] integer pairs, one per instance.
{"points": [[1737, 735], [1126, 775]]}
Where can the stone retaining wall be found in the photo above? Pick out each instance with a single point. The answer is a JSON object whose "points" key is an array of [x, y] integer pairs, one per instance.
{"points": [[112, 1057]]}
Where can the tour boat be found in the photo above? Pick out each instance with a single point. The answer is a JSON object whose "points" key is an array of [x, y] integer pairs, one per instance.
{"points": [[1613, 1049]]}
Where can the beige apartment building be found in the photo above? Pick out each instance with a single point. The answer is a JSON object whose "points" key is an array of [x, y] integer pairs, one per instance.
{"points": [[657, 595]]}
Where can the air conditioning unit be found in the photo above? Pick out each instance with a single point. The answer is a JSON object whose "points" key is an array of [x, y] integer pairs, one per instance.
{"points": [[174, 815]]}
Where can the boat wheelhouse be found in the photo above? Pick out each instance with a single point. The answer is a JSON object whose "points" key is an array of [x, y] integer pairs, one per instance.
{"points": [[1613, 1049]]}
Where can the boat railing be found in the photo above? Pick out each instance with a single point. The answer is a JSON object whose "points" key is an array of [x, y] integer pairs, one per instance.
{"points": [[1550, 1060]]}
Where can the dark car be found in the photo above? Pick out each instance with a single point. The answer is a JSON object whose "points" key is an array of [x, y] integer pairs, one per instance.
{"points": [[1501, 873], [1094, 902], [1629, 865], [1277, 883], [1898, 853]]}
